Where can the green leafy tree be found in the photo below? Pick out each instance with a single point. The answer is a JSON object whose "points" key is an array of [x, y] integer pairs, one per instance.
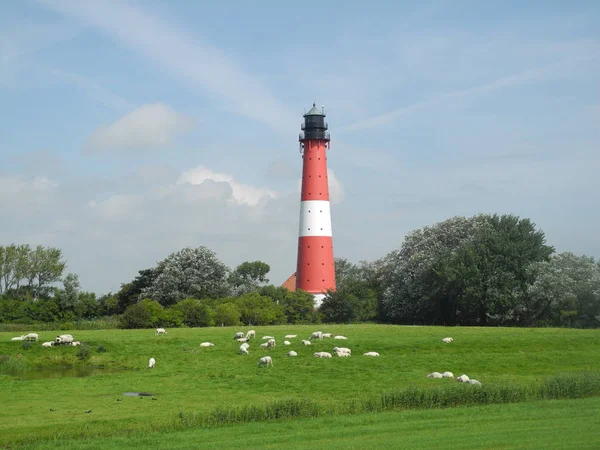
{"points": [[248, 277], [299, 307], [131, 293], [227, 314], [68, 297], [195, 313], [256, 309]]}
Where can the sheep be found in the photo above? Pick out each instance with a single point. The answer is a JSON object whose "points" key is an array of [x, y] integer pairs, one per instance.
{"points": [[292, 353], [271, 343], [343, 354], [151, 363], [305, 342], [239, 334], [287, 343], [32, 337], [207, 344], [342, 349], [75, 343], [268, 337], [463, 378], [290, 336], [475, 382], [160, 331], [340, 337], [264, 344], [447, 340], [434, 375], [245, 345], [48, 344], [371, 354], [322, 355], [448, 375], [250, 334], [265, 361], [64, 339], [326, 335], [18, 338], [243, 339], [316, 335], [243, 350]]}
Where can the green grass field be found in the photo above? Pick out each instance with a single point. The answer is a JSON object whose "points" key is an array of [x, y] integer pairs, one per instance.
{"points": [[190, 380]]}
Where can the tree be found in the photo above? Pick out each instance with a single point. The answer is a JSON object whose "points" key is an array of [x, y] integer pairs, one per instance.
{"points": [[565, 290], [227, 315], [130, 293], [68, 297], [299, 307], [190, 272], [195, 313], [256, 309], [46, 267], [249, 276], [462, 270]]}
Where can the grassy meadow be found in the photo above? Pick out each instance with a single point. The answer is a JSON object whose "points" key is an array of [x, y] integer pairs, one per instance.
{"points": [[189, 382]]}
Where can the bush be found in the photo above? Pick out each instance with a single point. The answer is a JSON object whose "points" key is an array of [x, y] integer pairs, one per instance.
{"points": [[195, 313], [27, 345], [101, 349], [84, 353]]}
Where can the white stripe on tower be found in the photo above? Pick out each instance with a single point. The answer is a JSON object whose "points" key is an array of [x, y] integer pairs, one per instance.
{"points": [[315, 218]]}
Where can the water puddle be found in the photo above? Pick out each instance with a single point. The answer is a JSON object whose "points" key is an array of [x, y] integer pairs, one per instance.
{"points": [[53, 372], [137, 394]]}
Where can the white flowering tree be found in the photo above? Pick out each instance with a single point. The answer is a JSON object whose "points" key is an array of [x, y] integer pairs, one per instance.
{"points": [[189, 273], [566, 291]]}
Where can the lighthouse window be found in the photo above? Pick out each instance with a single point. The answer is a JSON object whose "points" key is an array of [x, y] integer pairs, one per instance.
{"points": [[319, 211], [323, 279], [321, 229]]}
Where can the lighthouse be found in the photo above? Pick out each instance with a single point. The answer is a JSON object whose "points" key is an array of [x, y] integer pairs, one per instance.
{"points": [[315, 270]]}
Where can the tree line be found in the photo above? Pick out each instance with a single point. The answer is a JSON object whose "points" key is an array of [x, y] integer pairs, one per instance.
{"points": [[484, 270]]}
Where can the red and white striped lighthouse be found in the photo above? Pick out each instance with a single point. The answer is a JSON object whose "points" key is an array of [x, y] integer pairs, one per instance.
{"points": [[315, 270]]}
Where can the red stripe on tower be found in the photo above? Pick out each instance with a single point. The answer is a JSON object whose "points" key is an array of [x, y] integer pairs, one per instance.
{"points": [[315, 270]]}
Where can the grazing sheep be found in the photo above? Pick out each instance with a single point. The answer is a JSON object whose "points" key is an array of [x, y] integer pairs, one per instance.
{"points": [[447, 340], [160, 331], [434, 375], [245, 345], [264, 344], [371, 354], [475, 382], [290, 336], [18, 338], [243, 339], [462, 379], [250, 334], [340, 337], [343, 354], [151, 363], [243, 350], [448, 375], [326, 335], [268, 337], [239, 334], [75, 343], [305, 342], [207, 344], [271, 343], [292, 353], [316, 335], [342, 349], [64, 339], [265, 361], [287, 343], [32, 337], [322, 355], [48, 344]]}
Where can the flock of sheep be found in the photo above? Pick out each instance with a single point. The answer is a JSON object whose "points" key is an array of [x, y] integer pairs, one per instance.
{"points": [[61, 339], [461, 379], [272, 343]]}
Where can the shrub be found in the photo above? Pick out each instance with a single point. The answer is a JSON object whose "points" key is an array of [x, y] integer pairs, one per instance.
{"points": [[101, 349], [26, 345], [84, 353]]}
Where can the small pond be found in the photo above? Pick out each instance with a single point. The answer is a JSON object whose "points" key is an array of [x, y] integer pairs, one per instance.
{"points": [[137, 394]]}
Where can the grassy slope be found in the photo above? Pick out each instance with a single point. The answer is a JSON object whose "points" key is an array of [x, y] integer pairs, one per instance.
{"points": [[555, 424], [190, 379]]}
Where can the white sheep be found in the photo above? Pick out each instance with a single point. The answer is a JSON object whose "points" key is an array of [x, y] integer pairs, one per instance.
{"points": [[160, 331], [463, 378], [447, 340], [290, 336], [264, 344], [251, 333], [475, 382], [340, 337], [32, 337], [271, 343], [243, 350], [239, 334], [322, 355], [342, 349], [305, 342], [151, 363], [75, 343], [287, 343], [434, 375], [245, 345], [265, 361], [343, 354], [64, 339], [371, 354], [316, 335], [207, 344], [326, 335], [18, 338], [243, 339], [292, 353], [268, 337], [448, 375], [48, 344]]}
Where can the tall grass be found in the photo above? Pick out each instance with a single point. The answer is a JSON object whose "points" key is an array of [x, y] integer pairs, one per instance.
{"points": [[563, 386], [106, 323]]}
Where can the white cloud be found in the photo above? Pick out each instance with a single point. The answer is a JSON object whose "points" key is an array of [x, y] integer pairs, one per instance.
{"points": [[147, 127], [242, 194]]}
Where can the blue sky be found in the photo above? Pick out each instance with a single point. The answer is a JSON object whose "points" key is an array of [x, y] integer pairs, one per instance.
{"points": [[132, 129]]}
